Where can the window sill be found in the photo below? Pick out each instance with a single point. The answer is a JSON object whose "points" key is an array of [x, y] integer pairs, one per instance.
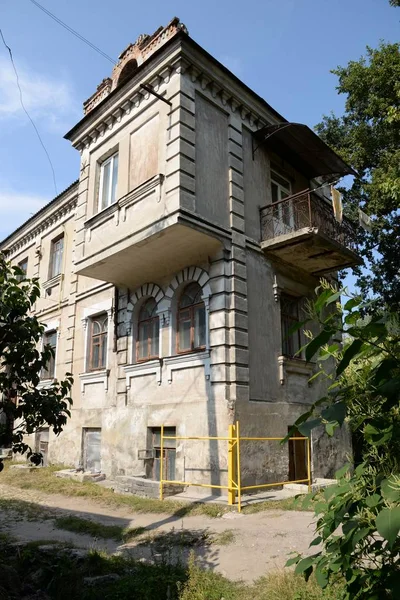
{"points": [[297, 366], [50, 283], [143, 368], [45, 383], [94, 377], [188, 361]]}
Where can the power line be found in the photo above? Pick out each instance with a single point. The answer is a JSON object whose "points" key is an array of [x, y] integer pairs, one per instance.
{"points": [[26, 112], [78, 35]]}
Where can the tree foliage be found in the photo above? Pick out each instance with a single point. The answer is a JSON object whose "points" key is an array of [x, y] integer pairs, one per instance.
{"points": [[367, 136], [358, 519], [23, 407]]}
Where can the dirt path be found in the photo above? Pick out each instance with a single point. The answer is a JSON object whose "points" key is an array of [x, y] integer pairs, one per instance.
{"points": [[261, 543]]}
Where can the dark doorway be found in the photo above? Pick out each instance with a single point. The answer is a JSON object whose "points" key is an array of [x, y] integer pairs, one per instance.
{"points": [[297, 457], [169, 448], [92, 450]]}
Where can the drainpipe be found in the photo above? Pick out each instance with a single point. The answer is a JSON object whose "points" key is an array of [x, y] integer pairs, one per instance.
{"points": [[116, 304]]}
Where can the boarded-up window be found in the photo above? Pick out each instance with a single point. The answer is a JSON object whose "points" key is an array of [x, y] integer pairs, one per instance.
{"points": [[211, 162], [144, 153]]}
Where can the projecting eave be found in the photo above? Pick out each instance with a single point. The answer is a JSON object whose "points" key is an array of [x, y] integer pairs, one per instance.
{"points": [[303, 148]]}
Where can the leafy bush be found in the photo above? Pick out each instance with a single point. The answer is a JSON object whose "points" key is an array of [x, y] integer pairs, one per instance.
{"points": [[359, 517]]}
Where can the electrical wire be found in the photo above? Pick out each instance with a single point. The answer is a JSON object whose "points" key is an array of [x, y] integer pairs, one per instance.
{"points": [[75, 33], [26, 112]]}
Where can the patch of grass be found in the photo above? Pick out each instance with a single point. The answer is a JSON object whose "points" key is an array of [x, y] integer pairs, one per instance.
{"points": [[98, 530], [44, 480], [184, 538], [61, 574], [88, 527], [224, 538], [301, 503], [28, 511]]}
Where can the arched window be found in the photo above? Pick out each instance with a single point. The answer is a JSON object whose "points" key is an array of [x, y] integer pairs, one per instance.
{"points": [[147, 345], [191, 320], [127, 71]]}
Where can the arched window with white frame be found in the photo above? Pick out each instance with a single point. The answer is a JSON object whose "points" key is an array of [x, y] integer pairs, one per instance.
{"points": [[191, 320], [148, 332]]}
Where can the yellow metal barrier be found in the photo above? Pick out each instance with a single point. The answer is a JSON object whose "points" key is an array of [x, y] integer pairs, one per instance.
{"points": [[234, 488]]}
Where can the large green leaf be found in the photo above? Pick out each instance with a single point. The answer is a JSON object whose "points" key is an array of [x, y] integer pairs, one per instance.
{"points": [[315, 344], [377, 435], [388, 524], [390, 489], [350, 352], [335, 412], [308, 426]]}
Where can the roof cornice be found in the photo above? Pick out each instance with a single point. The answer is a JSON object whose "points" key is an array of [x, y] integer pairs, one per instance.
{"points": [[180, 55]]}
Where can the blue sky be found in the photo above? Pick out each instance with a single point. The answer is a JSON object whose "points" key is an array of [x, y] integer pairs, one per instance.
{"points": [[283, 49]]}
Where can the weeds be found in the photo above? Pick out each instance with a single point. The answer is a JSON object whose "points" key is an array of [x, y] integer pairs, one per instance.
{"points": [[224, 538]]}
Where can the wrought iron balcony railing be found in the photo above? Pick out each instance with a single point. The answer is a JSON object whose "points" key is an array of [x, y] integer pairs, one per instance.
{"points": [[305, 210]]}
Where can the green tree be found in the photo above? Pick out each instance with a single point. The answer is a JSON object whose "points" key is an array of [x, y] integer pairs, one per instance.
{"points": [[367, 135], [358, 519], [23, 407]]}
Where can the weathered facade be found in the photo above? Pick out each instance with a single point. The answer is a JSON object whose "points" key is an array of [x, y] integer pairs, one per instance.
{"points": [[173, 268]]}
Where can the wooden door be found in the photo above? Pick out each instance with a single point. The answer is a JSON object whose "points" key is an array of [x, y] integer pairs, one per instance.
{"points": [[297, 457]]}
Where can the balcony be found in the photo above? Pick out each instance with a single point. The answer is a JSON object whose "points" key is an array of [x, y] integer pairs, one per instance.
{"points": [[144, 236], [302, 232]]}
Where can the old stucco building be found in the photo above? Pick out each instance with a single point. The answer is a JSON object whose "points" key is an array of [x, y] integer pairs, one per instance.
{"points": [[174, 267]]}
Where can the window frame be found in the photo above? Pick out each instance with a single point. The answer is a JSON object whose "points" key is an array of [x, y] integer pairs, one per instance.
{"points": [[52, 262], [25, 270], [103, 340], [289, 342], [274, 180], [140, 323], [110, 160], [49, 372], [192, 312]]}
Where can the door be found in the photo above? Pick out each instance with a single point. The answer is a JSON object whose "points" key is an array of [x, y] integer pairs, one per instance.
{"points": [[169, 451], [283, 214], [92, 450], [297, 457]]}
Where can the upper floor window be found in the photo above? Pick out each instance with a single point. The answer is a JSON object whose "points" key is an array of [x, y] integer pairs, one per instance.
{"points": [[108, 181], [23, 265], [50, 339], [98, 330], [191, 320], [280, 187], [56, 256], [147, 345], [290, 316]]}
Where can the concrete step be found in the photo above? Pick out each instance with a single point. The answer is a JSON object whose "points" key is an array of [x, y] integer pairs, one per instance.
{"points": [[147, 488]]}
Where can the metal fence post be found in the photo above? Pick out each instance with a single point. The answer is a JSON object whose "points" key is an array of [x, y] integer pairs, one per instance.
{"points": [[231, 465], [162, 464], [239, 489]]}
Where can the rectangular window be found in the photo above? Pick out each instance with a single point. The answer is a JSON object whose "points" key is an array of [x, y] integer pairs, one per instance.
{"points": [[56, 256], [108, 181], [291, 341], [23, 265], [98, 329], [50, 339]]}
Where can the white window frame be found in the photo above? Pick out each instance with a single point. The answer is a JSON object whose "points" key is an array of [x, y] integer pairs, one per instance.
{"points": [[103, 164], [49, 327], [281, 188]]}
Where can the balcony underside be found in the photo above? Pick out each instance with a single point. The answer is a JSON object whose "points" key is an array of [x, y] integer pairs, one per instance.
{"points": [[140, 259], [311, 251]]}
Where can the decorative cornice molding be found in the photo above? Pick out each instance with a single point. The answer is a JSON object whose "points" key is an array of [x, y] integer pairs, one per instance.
{"points": [[57, 215], [180, 63]]}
